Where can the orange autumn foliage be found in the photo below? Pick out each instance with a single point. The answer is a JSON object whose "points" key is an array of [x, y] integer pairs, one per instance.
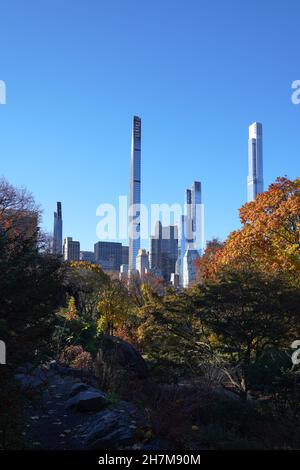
{"points": [[269, 239]]}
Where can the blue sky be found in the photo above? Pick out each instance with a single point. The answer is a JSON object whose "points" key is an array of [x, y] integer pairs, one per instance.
{"points": [[197, 72]]}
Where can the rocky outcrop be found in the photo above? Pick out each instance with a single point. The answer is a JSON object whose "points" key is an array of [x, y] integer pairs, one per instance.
{"points": [[88, 400], [77, 388], [110, 429], [118, 363]]}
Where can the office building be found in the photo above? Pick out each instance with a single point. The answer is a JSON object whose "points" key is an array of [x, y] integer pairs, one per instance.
{"points": [[164, 250], [88, 256], [108, 255]]}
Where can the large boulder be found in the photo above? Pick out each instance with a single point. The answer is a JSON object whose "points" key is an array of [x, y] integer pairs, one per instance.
{"points": [[77, 388], [115, 354], [88, 400], [108, 430]]}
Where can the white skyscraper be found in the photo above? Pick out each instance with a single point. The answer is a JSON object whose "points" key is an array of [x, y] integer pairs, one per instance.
{"points": [[135, 194], [255, 161], [142, 262], [193, 234]]}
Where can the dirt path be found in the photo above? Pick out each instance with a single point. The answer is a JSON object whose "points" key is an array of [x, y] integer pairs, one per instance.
{"points": [[48, 424]]}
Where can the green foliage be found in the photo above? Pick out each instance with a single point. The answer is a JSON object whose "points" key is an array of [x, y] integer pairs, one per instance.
{"points": [[245, 312]]}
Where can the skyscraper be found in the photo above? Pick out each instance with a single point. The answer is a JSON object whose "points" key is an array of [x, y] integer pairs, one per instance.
{"points": [[125, 254], [255, 161], [142, 262], [135, 194], [164, 250], [57, 231], [71, 249], [108, 255], [193, 221]]}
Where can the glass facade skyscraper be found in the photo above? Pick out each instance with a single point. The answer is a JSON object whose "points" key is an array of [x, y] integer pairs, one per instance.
{"points": [[255, 181], [57, 247], [164, 250], [135, 194], [190, 246], [108, 255]]}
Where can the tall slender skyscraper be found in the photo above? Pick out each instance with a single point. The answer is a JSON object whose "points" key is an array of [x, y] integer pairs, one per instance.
{"points": [[193, 222], [135, 194], [57, 231], [255, 161]]}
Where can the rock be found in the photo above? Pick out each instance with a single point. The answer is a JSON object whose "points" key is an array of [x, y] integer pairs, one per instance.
{"points": [[88, 400], [77, 388], [118, 354], [108, 430]]}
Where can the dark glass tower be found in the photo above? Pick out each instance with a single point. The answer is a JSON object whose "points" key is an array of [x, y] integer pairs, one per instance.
{"points": [[57, 231]]}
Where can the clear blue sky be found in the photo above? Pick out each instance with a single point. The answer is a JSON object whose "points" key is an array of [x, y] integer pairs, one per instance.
{"points": [[197, 72]]}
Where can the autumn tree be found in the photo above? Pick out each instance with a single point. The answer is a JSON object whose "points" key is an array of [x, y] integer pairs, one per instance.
{"points": [[204, 265], [30, 291], [112, 306], [83, 282], [31, 279], [269, 239]]}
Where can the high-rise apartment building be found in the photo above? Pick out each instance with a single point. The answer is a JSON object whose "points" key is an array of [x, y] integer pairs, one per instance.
{"points": [[255, 181], [193, 223], [135, 194], [142, 262]]}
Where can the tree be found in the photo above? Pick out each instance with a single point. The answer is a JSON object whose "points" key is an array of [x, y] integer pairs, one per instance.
{"points": [[31, 288], [244, 313], [204, 265], [112, 306], [83, 281], [269, 239], [30, 291]]}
